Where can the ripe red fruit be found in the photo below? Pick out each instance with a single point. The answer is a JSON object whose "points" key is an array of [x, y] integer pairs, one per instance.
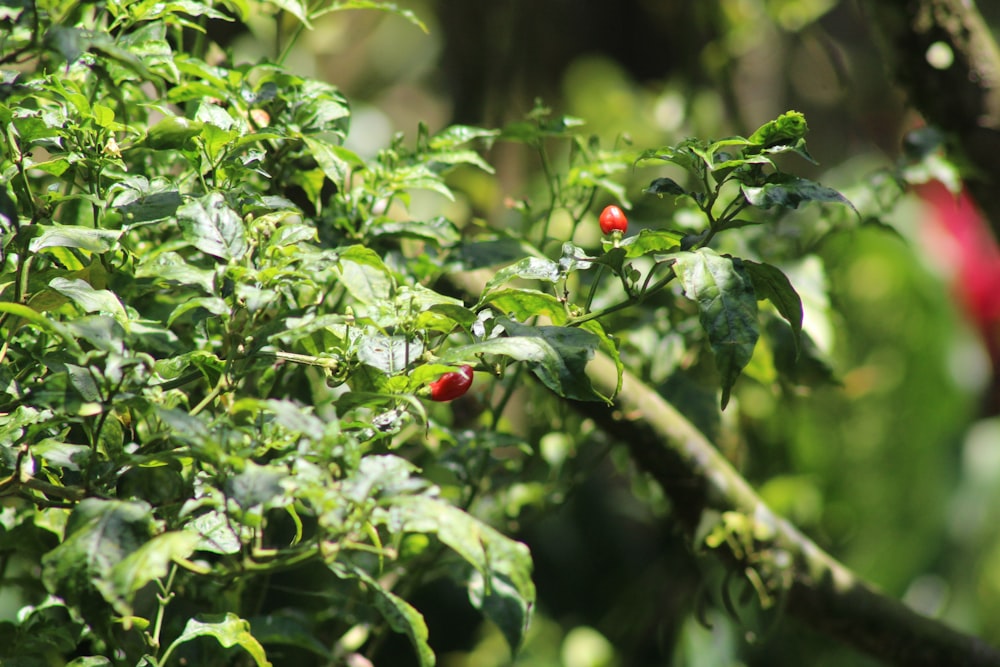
{"points": [[452, 385], [613, 220]]}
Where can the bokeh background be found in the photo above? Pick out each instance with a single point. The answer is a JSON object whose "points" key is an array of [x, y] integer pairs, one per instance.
{"points": [[894, 468]]}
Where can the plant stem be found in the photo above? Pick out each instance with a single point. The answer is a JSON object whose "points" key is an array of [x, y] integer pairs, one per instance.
{"points": [[631, 301]]}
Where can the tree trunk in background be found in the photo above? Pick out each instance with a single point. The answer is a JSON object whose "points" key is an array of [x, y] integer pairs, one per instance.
{"points": [[962, 97]]}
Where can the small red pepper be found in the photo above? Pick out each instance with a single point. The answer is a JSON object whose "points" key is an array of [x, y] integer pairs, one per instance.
{"points": [[613, 220], [452, 385]]}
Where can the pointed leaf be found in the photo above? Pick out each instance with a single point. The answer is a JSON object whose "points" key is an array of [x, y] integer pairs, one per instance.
{"points": [[364, 275], [90, 300], [557, 356], [522, 304], [213, 227], [789, 192], [771, 283], [229, 630], [335, 161], [100, 534], [401, 616], [529, 268], [150, 561], [494, 555], [727, 309], [651, 241], [71, 236], [787, 128], [665, 186]]}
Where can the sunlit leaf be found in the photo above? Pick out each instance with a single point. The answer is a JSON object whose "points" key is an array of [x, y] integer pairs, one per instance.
{"points": [[213, 227], [558, 356], [229, 630], [727, 307]]}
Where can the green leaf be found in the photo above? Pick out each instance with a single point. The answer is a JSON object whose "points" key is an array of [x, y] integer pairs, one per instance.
{"points": [[256, 485], [787, 128], [457, 135], [212, 304], [398, 613], [155, 206], [523, 304], [364, 275], [389, 354], [683, 154], [529, 268], [71, 236], [229, 630], [771, 283], [495, 556], [172, 133], [665, 186], [439, 230], [216, 533], [497, 597], [299, 10], [651, 241], [788, 192], [389, 7], [100, 534], [172, 268], [148, 562], [213, 227], [557, 356], [727, 307], [335, 161], [90, 300]]}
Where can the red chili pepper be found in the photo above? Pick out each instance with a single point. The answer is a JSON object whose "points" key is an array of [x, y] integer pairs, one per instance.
{"points": [[613, 220], [452, 385]]}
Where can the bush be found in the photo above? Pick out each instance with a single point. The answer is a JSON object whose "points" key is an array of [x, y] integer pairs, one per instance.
{"points": [[223, 331]]}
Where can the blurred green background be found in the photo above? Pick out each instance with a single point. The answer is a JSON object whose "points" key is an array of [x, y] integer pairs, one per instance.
{"points": [[895, 469]]}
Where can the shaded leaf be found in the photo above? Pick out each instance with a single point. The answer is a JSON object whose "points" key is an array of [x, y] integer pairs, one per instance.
{"points": [[100, 534], [788, 192], [401, 616], [498, 598], [665, 186], [256, 485], [150, 561]]}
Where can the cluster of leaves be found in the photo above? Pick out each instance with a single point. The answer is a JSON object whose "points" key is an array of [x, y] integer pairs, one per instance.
{"points": [[218, 323], [203, 380], [734, 182]]}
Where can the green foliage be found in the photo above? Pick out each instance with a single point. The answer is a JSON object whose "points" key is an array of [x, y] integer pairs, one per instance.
{"points": [[219, 323]]}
